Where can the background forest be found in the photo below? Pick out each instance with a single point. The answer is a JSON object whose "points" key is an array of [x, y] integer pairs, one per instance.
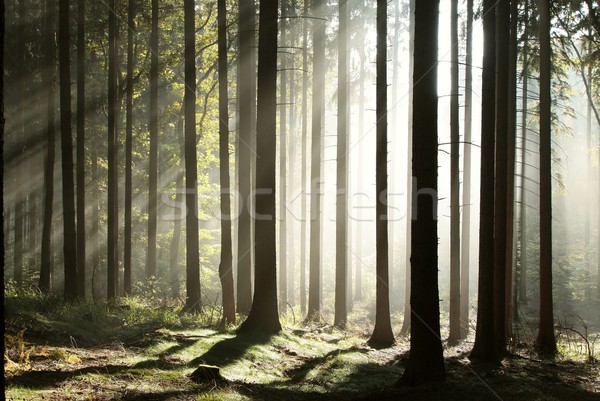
{"points": [[239, 199]]}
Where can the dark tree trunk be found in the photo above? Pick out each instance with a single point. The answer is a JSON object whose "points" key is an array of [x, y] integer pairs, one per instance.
{"points": [[466, 208], [113, 195], [546, 341], [318, 105], [226, 265], [246, 83], [283, 274], [153, 159], [303, 158], [484, 348], [407, 315], [500, 187], [81, 232], [341, 216], [263, 315], [426, 360], [455, 294], [382, 333], [193, 296], [129, 149], [68, 187], [49, 72], [174, 251], [20, 193]]}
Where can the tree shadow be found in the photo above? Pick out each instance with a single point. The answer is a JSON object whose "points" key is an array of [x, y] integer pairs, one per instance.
{"points": [[41, 379]]}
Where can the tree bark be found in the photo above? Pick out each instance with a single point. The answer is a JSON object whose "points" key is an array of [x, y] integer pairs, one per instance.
{"points": [[153, 156], [226, 265], [193, 296], [304, 156], [81, 232], [426, 360], [283, 273], [263, 315]]}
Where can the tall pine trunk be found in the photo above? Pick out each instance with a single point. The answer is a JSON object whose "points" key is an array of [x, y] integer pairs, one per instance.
{"points": [[426, 360], [193, 296], [546, 341], [246, 86], [81, 232], [226, 264], [153, 159], [68, 185], [382, 333], [304, 134], [283, 273], [341, 216], [263, 315]]}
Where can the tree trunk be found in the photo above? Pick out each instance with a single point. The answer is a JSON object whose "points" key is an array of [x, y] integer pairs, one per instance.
{"points": [[546, 341], [263, 315], [193, 296], [153, 159], [341, 216], [484, 348], [500, 188], [303, 158], [283, 275], [405, 330], [246, 84], [318, 105], [174, 251], [49, 72], [226, 265], [466, 208], [455, 295], [68, 187], [81, 232], [129, 149], [426, 360]]}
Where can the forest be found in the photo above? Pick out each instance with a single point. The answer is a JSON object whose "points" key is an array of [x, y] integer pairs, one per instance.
{"points": [[300, 199]]}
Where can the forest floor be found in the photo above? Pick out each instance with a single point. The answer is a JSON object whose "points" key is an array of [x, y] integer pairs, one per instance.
{"points": [[132, 352]]}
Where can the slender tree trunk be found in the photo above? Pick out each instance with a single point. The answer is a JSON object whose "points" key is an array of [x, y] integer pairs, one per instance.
{"points": [[131, 12], [95, 235], [193, 296], [341, 231], [113, 195], [283, 274], [426, 360], [153, 159], [292, 159], [382, 333], [303, 158], [466, 207], [500, 188], [455, 295], [318, 104], [68, 187], [49, 72], [174, 251], [263, 315], [226, 265], [546, 341], [246, 84], [484, 348], [407, 315], [510, 168], [81, 232]]}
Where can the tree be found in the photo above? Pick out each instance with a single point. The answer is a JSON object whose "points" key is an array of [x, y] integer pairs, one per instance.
{"points": [[318, 105], [246, 86], [226, 265], [131, 11], [484, 348], [466, 208], [49, 72], [382, 333], [113, 195], [455, 294], [304, 153], [546, 342], [81, 235], [153, 159], [193, 296], [263, 315], [283, 273], [426, 360], [341, 232]]}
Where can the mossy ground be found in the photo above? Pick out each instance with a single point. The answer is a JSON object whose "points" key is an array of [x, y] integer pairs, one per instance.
{"points": [[132, 351]]}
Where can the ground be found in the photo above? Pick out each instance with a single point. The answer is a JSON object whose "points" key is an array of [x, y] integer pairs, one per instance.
{"points": [[115, 352]]}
